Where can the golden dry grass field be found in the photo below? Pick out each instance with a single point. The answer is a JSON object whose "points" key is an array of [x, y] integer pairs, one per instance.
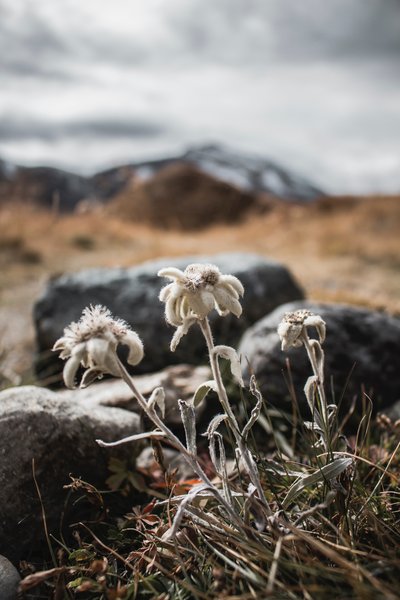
{"points": [[340, 249]]}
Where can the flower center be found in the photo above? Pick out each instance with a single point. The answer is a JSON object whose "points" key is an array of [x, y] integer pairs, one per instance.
{"points": [[298, 317], [198, 276]]}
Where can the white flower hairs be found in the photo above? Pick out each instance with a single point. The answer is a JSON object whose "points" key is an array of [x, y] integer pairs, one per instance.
{"points": [[293, 328], [92, 342], [194, 293]]}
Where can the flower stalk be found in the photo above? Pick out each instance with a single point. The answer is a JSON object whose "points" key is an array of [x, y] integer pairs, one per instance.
{"points": [[191, 296], [244, 452], [293, 332]]}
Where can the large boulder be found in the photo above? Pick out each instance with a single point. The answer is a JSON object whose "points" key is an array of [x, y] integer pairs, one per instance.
{"points": [[362, 350], [132, 294], [59, 436], [9, 580]]}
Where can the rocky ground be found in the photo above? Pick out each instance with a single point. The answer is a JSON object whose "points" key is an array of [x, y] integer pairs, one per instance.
{"points": [[335, 250]]}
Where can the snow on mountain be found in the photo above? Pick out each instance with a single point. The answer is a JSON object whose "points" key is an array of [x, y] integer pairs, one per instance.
{"points": [[247, 172], [252, 173]]}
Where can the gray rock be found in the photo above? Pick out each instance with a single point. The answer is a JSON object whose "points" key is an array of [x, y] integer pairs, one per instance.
{"points": [[132, 294], [362, 350], [178, 382], [9, 580], [36, 424], [393, 412]]}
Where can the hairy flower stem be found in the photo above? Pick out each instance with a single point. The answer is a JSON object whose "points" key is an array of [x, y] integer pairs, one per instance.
{"points": [[223, 398], [151, 413], [318, 371]]}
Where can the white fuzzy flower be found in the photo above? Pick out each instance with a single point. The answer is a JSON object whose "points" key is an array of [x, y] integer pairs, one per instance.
{"points": [[195, 292], [293, 325], [92, 342]]}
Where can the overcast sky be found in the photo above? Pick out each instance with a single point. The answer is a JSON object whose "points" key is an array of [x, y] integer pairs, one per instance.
{"points": [[313, 85]]}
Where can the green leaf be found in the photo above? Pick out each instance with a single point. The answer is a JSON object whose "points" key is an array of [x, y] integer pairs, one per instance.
{"points": [[81, 555]]}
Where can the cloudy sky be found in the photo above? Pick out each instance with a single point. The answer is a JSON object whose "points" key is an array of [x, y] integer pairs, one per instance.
{"points": [[313, 85]]}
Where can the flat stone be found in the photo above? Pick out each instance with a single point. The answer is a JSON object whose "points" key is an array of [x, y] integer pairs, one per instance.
{"points": [[178, 382]]}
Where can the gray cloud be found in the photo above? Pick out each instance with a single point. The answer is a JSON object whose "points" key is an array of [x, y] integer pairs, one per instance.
{"points": [[20, 129], [281, 77], [237, 32], [255, 31]]}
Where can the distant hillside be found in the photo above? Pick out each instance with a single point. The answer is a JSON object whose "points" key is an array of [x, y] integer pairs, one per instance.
{"points": [[43, 186], [180, 196], [46, 186]]}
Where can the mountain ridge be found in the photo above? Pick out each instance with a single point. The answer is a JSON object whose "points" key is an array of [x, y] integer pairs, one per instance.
{"points": [[48, 186]]}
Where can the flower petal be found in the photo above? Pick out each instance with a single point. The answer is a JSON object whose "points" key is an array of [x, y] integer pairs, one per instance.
{"points": [[201, 302], [320, 325], [90, 377], [60, 344], [289, 334], [97, 350], [234, 282], [184, 307], [165, 292], [172, 311], [181, 331], [226, 286], [135, 345], [111, 364], [172, 273], [72, 365], [226, 301]]}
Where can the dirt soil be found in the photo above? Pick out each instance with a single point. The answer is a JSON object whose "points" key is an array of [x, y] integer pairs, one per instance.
{"points": [[340, 249]]}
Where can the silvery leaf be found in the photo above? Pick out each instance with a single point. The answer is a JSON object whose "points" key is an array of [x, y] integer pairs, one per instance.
{"points": [[214, 424], [310, 389], [203, 390], [189, 423], [255, 413], [326, 473], [157, 398], [230, 354], [133, 438]]}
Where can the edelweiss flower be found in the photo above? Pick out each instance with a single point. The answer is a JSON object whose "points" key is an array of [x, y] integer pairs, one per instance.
{"points": [[293, 325], [195, 292], [92, 342]]}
